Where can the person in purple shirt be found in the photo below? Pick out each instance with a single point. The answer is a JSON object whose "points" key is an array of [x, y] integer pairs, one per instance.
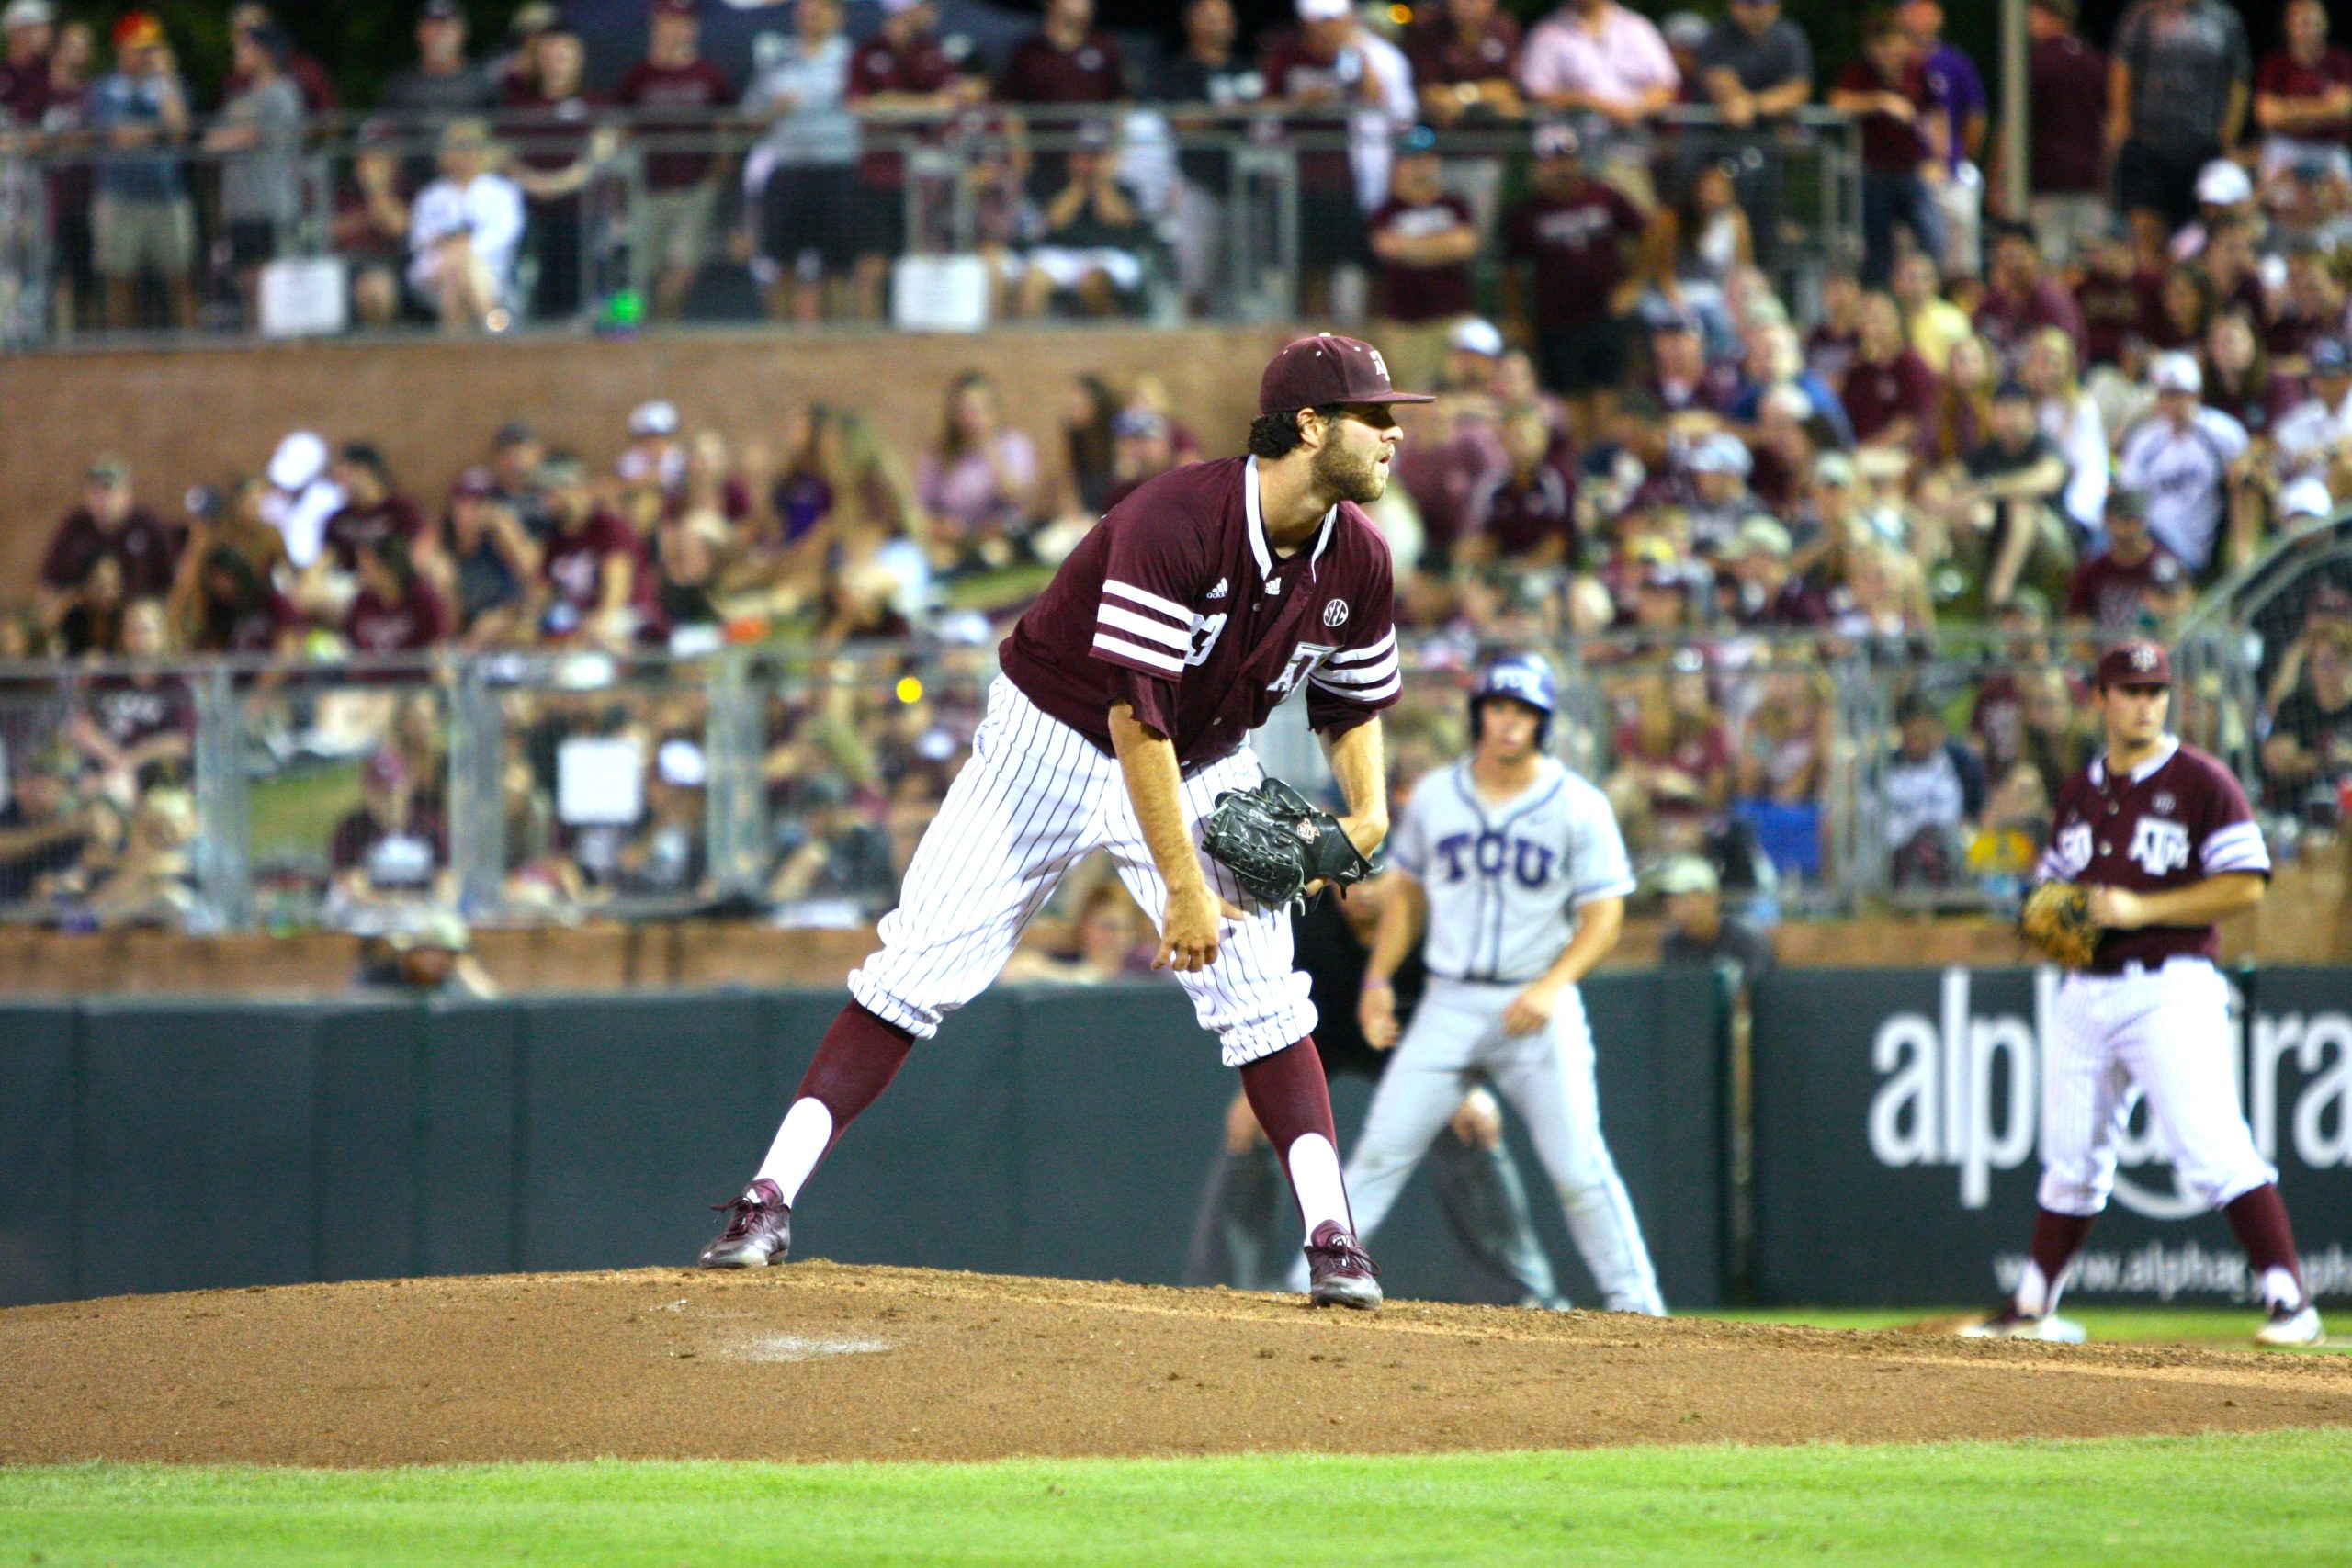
{"points": [[1953, 79]]}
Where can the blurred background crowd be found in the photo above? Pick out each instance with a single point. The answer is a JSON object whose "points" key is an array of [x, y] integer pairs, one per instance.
{"points": [[1828, 513]]}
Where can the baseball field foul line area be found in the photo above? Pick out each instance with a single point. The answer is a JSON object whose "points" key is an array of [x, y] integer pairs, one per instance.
{"points": [[635, 1416]]}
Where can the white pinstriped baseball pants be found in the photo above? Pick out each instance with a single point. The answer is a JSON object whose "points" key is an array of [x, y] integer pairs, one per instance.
{"points": [[1456, 1037], [1035, 799], [2163, 1033]]}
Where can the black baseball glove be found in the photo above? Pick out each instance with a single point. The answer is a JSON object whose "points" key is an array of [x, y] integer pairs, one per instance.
{"points": [[1275, 842]]}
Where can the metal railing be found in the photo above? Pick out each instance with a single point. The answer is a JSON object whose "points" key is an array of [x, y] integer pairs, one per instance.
{"points": [[792, 784], [321, 256]]}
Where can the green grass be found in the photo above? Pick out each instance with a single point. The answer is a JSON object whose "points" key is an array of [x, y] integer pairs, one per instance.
{"points": [[2211, 1327], [2273, 1500]]}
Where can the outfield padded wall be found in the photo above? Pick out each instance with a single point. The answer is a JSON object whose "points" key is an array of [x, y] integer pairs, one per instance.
{"points": [[160, 1145]]}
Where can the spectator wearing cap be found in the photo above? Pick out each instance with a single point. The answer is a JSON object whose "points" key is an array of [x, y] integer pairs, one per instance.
{"points": [[1757, 64], [674, 97], [588, 566], [1720, 502], [656, 454], [443, 85], [1094, 254], [2065, 169], [1425, 238], [1766, 591], [516, 68], [1526, 513], [1474, 357], [143, 221], [27, 30], [1208, 81], [465, 231], [259, 130], [1334, 80], [388, 852], [805, 169], [1608, 69], [2178, 456], [1143, 446], [2020, 296], [1698, 931], [1905, 137], [1933, 791], [373, 509], [2111, 590], [2005, 526], [109, 525], [308, 75], [1958, 88], [2317, 435], [1681, 381], [429, 956], [2302, 95], [905, 69], [1587, 251], [2177, 78], [1890, 393]]}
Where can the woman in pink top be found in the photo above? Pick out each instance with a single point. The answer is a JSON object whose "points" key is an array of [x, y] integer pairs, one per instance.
{"points": [[977, 484]]}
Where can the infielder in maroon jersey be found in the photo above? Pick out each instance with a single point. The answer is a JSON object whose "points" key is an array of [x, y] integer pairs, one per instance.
{"points": [[2161, 835], [1127, 695]]}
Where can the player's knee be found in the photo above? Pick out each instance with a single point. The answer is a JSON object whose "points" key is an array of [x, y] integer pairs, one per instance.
{"points": [[2218, 1183], [2073, 1188]]}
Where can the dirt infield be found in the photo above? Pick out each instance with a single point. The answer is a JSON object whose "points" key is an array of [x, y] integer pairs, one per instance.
{"points": [[820, 1361]]}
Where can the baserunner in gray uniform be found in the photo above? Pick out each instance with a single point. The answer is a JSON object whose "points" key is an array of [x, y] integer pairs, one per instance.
{"points": [[1516, 870]]}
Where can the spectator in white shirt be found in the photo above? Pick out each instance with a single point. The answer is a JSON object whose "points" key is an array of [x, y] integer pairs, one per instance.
{"points": [[463, 234], [2180, 457]]}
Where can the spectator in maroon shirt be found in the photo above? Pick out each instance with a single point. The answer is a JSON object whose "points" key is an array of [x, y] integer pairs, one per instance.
{"points": [[2111, 590], [1583, 241], [304, 71], [1769, 593], [1905, 139], [234, 609], [1323, 79], [2066, 167], [554, 125], [137, 728], [31, 28], [903, 69], [1463, 53], [674, 99], [2020, 296], [591, 562], [372, 509], [391, 848], [2120, 303], [108, 524], [2302, 95], [2310, 307], [1681, 381], [1066, 61], [1425, 238], [396, 610], [1143, 446], [1525, 515], [1889, 392]]}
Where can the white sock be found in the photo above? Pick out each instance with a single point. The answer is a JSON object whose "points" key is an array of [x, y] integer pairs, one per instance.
{"points": [[1314, 1178], [2279, 1288], [2037, 1296], [799, 1144]]}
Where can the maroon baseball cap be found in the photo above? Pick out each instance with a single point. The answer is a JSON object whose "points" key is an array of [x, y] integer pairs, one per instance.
{"points": [[1313, 372], [2135, 664]]}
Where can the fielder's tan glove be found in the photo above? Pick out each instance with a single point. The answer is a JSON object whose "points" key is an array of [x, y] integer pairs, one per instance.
{"points": [[2057, 923]]}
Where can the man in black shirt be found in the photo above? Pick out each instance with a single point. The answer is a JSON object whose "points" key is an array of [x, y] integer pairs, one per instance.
{"points": [[1205, 86], [2006, 526], [1698, 931]]}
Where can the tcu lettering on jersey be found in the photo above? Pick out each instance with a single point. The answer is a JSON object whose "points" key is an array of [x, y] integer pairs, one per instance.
{"points": [[1489, 854]]}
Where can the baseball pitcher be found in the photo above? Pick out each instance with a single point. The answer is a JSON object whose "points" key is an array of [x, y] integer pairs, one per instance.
{"points": [[1122, 715], [2152, 844], [1517, 871]]}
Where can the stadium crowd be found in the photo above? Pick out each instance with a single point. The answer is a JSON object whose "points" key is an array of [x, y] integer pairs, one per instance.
{"points": [[1722, 483]]}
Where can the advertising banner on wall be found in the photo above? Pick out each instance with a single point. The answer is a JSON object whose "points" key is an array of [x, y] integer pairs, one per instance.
{"points": [[1897, 1140]]}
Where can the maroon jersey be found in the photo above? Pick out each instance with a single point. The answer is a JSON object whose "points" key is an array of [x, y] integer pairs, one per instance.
{"points": [[2284, 76], [549, 133], [574, 566], [1577, 243], [1441, 56], [357, 528], [2066, 90], [923, 66], [1411, 293], [2009, 319], [2115, 309], [1876, 395], [2109, 593], [141, 546], [673, 102], [129, 712], [1891, 146], [1292, 69], [2181, 819], [406, 625], [1520, 512], [1037, 73], [1176, 605]]}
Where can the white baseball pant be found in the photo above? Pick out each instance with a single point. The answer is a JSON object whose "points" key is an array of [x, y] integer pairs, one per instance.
{"points": [[1455, 1038], [1034, 798], [2163, 1033]]}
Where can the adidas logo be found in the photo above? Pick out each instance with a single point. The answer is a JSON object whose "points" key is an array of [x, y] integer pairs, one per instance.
{"points": [[1218, 591]]}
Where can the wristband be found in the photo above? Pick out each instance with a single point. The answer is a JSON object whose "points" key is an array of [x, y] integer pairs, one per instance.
{"points": [[1371, 984]]}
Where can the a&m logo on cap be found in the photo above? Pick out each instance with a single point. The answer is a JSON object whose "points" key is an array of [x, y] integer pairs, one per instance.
{"points": [[2143, 657]]}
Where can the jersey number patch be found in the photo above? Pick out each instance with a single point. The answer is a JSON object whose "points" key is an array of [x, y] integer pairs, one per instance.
{"points": [[1206, 629]]}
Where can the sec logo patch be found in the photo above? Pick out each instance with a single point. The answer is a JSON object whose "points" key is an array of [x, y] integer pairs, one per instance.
{"points": [[1335, 613]]}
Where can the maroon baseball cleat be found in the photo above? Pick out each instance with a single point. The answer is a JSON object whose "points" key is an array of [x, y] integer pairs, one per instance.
{"points": [[1338, 1272], [758, 1229]]}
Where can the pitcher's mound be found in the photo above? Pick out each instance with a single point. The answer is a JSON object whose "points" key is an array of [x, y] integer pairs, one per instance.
{"points": [[819, 1361]]}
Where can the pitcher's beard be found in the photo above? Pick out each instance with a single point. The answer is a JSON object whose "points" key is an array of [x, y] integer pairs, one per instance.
{"points": [[1349, 476]]}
